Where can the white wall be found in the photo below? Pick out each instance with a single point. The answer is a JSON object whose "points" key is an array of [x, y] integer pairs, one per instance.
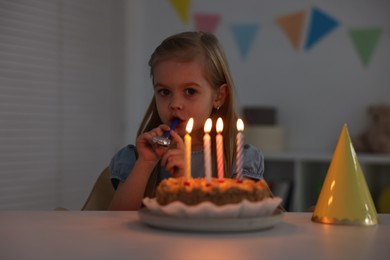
{"points": [[60, 99], [315, 91]]}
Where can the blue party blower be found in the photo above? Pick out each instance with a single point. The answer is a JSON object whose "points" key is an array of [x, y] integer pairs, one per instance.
{"points": [[165, 139]]}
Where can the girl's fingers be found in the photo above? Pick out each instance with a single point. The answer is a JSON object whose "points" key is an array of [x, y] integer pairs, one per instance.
{"points": [[174, 165], [158, 131], [177, 140], [173, 159], [167, 156], [163, 128]]}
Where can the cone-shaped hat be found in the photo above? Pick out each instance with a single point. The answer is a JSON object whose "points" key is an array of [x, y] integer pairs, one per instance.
{"points": [[344, 197]]}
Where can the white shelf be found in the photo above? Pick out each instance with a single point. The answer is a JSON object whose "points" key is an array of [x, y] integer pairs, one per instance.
{"points": [[325, 157], [306, 172]]}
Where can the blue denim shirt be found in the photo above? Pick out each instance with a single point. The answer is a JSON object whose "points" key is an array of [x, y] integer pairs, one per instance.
{"points": [[123, 162]]}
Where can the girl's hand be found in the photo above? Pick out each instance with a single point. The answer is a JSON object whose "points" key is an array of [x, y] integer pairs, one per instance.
{"points": [[147, 150], [173, 158]]}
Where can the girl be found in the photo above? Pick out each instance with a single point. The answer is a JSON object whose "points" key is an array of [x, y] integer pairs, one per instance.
{"points": [[191, 78]]}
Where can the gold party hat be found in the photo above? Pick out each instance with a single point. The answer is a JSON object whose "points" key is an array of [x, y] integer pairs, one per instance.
{"points": [[344, 197]]}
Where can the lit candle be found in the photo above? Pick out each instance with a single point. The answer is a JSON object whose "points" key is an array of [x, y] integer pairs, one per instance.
{"points": [[207, 150], [187, 155], [239, 149], [219, 140]]}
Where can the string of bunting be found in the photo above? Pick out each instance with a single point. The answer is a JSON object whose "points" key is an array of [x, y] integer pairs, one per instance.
{"points": [[319, 25]]}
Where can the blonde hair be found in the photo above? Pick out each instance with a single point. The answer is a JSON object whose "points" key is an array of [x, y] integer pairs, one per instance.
{"points": [[186, 47]]}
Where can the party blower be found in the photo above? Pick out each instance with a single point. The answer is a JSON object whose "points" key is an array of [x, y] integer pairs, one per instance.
{"points": [[165, 139]]}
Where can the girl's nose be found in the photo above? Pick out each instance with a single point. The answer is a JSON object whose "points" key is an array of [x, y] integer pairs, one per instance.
{"points": [[176, 103]]}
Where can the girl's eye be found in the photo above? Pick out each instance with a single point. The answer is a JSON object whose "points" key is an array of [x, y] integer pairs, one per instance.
{"points": [[190, 91], [164, 92]]}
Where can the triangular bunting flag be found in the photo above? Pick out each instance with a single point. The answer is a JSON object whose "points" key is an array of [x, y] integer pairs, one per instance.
{"points": [[292, 26], [182, 8], [244, 35], [206, 22], [365, 41], [321, 24]]}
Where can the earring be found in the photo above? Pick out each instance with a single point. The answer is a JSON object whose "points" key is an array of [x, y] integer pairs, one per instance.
{"points": [[217, 108]]}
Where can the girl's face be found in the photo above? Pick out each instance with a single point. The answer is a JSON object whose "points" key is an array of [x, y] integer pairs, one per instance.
{"points": [[181, 91]]}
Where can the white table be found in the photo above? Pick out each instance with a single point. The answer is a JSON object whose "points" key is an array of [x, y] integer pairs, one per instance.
{"points": [[120, 235]]}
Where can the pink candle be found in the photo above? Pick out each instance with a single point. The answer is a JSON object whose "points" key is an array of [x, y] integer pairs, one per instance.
{"points": [[207, 150], [219, 140], [187, 155], [239, 149]]}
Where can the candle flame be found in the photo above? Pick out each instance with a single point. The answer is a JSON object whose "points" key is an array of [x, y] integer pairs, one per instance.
{"points": [[219, 125], [240, 125], [189, 126], [208, 125]]}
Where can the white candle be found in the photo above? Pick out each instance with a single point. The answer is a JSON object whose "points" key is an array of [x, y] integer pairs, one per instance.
{"points": [[187, 155], [239, 149], [207, 150], [219, 140]]}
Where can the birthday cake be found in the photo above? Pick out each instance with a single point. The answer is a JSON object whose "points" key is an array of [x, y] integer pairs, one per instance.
{"points": [[196, 191]]}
